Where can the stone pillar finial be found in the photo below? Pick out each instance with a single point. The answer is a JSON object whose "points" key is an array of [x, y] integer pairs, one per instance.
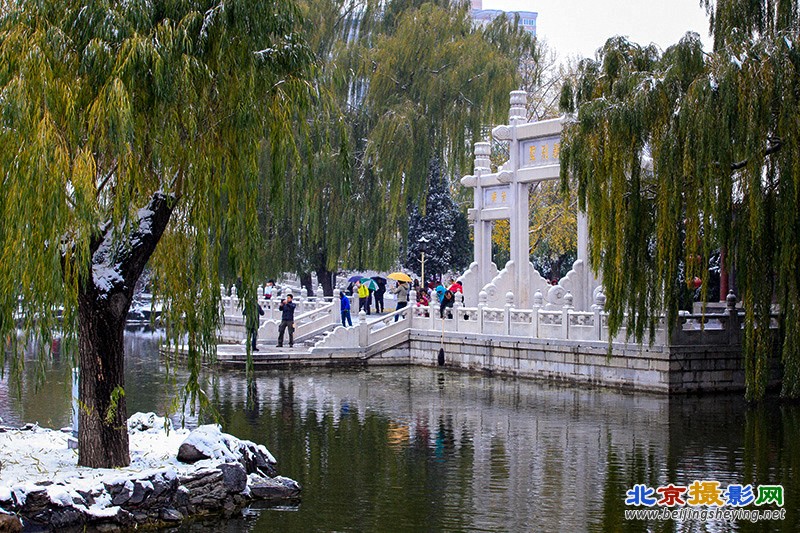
{"points": [[510, 298], [568, 300], [517, 113], [483, 297], [538, 298], [730, 300], [482, 152], [600, 301]]}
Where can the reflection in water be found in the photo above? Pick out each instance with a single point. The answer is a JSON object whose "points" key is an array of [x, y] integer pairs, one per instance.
{"points": [[418, 449]]}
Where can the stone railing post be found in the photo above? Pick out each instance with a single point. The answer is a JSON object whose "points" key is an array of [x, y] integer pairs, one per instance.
{"points": [[482, 299], [538, 302], [598, 307], [363, 329], [260, 292], [517, 111], [733, 327], [457, 311], [337, 306], [234, 298], [565, 317], [434, 310], [412, 303], [507, 313]]}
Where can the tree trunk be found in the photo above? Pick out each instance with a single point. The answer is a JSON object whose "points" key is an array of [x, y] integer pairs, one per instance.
{"points": [[305, 281], [326, 279], [103, 415], [104, 299]]}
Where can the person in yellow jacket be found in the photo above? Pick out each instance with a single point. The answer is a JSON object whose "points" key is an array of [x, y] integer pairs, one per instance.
{"points": [[363, 297]]}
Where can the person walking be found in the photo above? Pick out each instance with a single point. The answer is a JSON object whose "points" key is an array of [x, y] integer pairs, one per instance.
{"points": [[287, 320], [401, 290], [363, 297], [379, 294], [345, 307]]}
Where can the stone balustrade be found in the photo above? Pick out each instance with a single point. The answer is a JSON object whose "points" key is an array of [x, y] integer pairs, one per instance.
{"points": [[543, 322]]}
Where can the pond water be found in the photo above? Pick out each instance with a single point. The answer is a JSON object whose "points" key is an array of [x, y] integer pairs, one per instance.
{"points": [[422, 449]]}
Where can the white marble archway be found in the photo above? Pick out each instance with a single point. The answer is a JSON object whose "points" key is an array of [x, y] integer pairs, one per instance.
{"points": [[533, 157]]}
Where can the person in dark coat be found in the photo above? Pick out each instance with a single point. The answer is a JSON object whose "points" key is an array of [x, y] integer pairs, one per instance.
{"points": [[287, 320], [252, 323], [447, 301], [379, 294]]}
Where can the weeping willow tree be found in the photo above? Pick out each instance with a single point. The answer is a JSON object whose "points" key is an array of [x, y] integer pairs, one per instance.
{"points": [[133, 131], [404, 82], [682, 153]]}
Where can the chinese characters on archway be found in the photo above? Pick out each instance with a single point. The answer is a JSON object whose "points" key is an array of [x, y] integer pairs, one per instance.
{"points": [[496, 196], [540, 152]]}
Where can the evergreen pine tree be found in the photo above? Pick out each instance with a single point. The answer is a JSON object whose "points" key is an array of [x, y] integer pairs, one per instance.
{"points": [[443, 225]]}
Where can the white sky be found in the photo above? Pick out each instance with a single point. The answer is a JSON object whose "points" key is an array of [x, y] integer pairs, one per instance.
{"points": [[579, 27]]}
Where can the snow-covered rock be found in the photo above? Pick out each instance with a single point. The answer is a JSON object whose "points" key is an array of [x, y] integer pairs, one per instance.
{"points": [[208, 442], [147, 422], [9, 522], [42, 484]]}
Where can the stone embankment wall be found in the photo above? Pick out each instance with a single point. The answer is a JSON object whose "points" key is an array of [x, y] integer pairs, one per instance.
{"points": [[159, 499], [657, 368]]}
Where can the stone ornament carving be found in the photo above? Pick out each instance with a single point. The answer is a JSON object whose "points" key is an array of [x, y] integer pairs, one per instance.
{"points": [[505, 176], [502, 133], [555, 297]]}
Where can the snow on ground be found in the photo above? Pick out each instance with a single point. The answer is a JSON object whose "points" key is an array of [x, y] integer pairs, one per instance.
{"points": [[33, 454]]}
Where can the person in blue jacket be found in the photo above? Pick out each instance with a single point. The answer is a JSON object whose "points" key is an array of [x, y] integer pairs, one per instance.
{"points": [[345, 309]]}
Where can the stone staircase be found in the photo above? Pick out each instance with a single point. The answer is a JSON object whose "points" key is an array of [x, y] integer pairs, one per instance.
{"points": [[312, 341]]}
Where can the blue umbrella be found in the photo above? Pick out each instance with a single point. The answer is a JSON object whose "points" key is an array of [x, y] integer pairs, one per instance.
{"points": [[355, 278]]}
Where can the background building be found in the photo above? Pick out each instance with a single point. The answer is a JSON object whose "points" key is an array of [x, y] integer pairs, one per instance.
{"points": [[483, 16]]}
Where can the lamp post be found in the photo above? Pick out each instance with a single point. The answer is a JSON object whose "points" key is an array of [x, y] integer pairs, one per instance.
{"points": [[423, 243]]}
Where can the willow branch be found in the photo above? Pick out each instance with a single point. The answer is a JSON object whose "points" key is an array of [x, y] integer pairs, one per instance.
{"points": [[106, 179], [775, 145]]}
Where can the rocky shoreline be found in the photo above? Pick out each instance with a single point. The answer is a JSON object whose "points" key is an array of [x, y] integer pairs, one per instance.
{"points": [[211, 473]]}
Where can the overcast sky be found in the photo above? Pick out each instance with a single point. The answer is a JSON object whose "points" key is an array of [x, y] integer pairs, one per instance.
{"points": [[579, 27]]}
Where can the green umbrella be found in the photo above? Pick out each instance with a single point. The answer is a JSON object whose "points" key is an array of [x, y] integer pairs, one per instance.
{"points": [[369, 283]]}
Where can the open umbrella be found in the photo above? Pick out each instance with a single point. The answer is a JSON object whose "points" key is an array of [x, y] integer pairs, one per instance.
{"points": [[399, 276], [369, 283], [355, 278]]}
